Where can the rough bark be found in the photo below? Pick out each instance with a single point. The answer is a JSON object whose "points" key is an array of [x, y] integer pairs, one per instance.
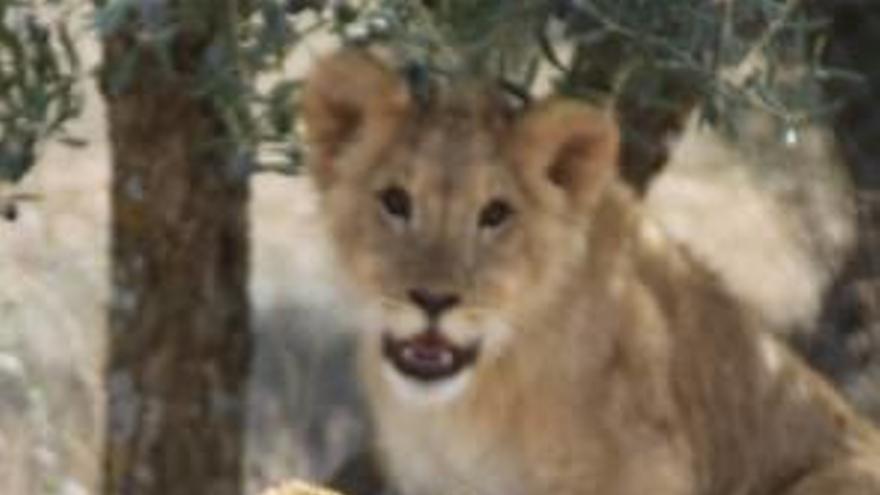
{"points": [[179, 340]]}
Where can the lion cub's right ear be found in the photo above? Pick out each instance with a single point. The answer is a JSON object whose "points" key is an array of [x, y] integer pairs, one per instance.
{"points": [[354, 103]]}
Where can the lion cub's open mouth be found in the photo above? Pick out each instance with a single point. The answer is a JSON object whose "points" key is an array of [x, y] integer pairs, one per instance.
{"points": [[428, 356]]}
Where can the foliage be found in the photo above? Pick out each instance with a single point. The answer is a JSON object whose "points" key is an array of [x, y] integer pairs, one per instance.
{"points": [[38, 70], [723, 54]]}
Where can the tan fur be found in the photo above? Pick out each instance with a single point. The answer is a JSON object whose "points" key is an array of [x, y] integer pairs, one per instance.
{"points": [[610, 363]]}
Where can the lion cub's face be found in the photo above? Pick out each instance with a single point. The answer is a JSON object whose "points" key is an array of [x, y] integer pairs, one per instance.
{"points": [[455, 218]]}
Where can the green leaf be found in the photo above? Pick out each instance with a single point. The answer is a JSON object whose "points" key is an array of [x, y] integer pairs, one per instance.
{"points": [[112, 17]]}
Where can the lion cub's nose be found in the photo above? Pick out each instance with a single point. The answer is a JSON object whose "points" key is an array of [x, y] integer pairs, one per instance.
{"points": [[433, 303]]}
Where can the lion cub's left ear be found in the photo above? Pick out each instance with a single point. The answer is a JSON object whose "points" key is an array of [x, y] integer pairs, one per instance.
{"points": [[352, 102], [566, 150]]}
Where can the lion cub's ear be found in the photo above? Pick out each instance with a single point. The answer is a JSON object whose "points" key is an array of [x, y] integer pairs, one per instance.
{"points": [[568, 147], [351, 100]]}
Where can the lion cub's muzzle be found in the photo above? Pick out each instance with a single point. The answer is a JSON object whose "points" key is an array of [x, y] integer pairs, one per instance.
{"points": [[429, 355]]}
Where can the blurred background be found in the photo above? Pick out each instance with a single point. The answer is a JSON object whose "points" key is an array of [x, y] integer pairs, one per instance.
{"points": [[170, 318]]}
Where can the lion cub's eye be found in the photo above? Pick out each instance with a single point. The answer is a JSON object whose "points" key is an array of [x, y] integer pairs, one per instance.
{"points": [[396, 202], [495, 213]]}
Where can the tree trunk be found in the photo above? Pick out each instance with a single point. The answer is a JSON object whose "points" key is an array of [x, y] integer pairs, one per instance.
{"points": [[179, 342]]}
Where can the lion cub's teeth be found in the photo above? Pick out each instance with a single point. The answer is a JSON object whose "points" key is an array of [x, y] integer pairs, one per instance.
{"points": [[446, 359], [409, 354]]}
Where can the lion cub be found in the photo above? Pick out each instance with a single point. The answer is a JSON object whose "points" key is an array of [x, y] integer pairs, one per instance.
{"points": [[526, 329]]}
